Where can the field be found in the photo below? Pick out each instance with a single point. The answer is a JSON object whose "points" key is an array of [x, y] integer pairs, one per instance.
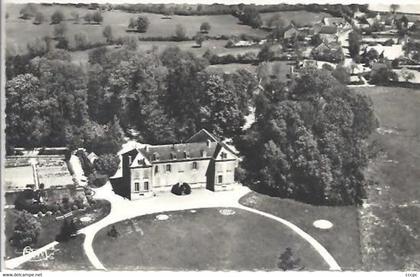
{"points": [[19, 32], [390, 222], [203, 240], [343, 235], [301, 18]]}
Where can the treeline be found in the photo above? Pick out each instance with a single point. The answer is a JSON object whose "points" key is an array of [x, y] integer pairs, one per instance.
{"points": [[219, 9], [165, 97]]}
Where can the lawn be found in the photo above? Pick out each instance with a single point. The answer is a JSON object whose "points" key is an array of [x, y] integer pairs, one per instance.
{"points": [[343, 235], [390, 223], [301, 18], [204, 240], [70, 256], [50, 227], [19, 32]]}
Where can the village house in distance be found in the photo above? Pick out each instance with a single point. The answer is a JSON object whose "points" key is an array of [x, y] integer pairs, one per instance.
{"points": [[202, 161]]}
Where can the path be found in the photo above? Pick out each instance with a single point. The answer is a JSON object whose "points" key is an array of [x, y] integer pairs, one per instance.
{"points": [[122, 209]]}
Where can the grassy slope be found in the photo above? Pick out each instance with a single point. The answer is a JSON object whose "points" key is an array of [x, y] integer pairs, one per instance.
{"points": [[343, 235], [205, 240], [390, 225], [19, 32], [70, 256]]}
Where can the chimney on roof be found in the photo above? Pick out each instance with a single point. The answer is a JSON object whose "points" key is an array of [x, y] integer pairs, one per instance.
{"points": [[146, 148]]}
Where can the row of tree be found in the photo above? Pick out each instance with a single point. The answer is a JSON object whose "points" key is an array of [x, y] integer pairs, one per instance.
{"points": [[165, 97]]}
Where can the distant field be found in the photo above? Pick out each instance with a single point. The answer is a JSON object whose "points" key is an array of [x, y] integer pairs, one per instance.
{"points": [[301, 18], [390, 224], [19, 32]]}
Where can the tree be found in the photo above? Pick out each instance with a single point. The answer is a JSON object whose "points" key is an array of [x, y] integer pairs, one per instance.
{"points": [[37, 48], [316, 40], [26, 231], [81, 40], [28, 11], [205, 27], [407, 75], [141, 24], [180, 33], [24, 119], [60, 30], [276, 22], [199, 38], [107, 164], [354, 44], [88, 17], [39, 18], [250, 16], [287, 262], [76, 17], [394, 8], [341, 74], [57, 17], [97, 17], [108, 34], [265, 53], [67, 231]]}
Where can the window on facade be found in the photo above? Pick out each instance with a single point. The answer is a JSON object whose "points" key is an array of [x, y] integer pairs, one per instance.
{"points": [[168, 168], [223, 155], [194, 165], [136, 186], [156, 169], [220, 179], [146, 185]]}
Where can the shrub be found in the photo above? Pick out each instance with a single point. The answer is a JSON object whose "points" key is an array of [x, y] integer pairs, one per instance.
{"points": [[205, 27], [185, 188], [26, 231], [97, 17], [287, 262], [176, 189], [180, 33], [382, 74], [57, 17], [67, 231]]}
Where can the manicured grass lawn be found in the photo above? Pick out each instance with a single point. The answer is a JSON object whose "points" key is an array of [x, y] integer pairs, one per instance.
{"points": [[19, 32], [342, 240], [390, 225], [301, 18], [204, 240], [50, 227], [70, 256]]}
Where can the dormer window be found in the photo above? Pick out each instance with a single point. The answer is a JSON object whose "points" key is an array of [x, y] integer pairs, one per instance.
{"points": [[129, 160], [208, 143], [203, 153], [155, 157], [186, 155], [173, 156]]}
